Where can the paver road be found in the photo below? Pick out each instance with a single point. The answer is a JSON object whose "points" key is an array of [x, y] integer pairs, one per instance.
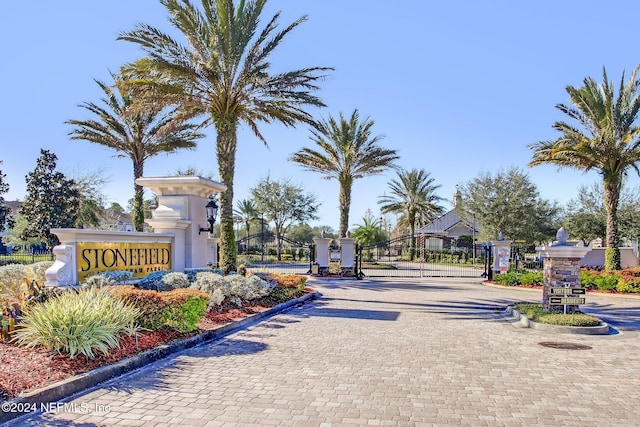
{"points": [[385, 352]]}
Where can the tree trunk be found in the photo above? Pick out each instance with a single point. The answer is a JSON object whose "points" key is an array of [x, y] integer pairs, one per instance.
{"points": [[138, 197], [612, 188], [226, 151], [345, 204]]}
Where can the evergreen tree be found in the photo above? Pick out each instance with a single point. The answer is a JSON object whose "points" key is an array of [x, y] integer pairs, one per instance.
{"points": [[5, 211], [52, 200]]}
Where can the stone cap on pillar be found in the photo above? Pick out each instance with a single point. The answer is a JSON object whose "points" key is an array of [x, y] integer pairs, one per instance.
{"points": [[181, 185], [561, 248]]}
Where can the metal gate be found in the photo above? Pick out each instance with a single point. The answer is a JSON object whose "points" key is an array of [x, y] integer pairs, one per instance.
{"points": [[269, 252], [409, 256]]}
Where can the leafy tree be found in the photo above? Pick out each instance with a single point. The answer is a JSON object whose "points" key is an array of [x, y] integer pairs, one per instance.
{"points": [[302, 233], [246, 213], [508, 202], [91, 199], [52, 200], [586, 217], [224, 72], [5, 211], [346, 151], [326, 231], [133, 131], [283, 203], [116, 207], [15, 236], [606, 139], [413, 194]]}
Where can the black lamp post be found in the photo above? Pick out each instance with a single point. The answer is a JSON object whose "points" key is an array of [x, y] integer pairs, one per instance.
{"points": [[212, 212]]}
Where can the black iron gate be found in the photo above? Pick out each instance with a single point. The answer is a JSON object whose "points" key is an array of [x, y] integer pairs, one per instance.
{"points": [[409, 256], [275, 253]]}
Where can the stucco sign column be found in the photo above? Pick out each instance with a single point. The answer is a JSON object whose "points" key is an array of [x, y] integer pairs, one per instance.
{"points": [[181, 211]]}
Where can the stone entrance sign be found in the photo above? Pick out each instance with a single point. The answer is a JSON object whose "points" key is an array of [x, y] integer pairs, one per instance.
{"points": [[562, 274]]}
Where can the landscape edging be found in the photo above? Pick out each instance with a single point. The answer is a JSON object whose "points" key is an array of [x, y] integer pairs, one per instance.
{"points": [[82, 382]]}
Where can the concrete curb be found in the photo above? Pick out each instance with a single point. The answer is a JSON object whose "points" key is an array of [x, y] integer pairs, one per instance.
{"points": [[523, 321], [79, 383]]}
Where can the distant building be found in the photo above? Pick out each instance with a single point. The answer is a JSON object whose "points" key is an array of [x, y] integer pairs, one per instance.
{"points": [[445, 230]]}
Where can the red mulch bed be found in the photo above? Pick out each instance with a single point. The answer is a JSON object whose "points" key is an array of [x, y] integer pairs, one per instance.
{"points": [[28, 369]]}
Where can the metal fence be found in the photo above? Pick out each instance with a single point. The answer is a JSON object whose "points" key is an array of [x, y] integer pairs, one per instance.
{"points": [[26, 257]]}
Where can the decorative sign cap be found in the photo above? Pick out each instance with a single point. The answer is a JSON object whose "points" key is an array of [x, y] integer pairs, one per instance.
{"points": [[562, 236]]}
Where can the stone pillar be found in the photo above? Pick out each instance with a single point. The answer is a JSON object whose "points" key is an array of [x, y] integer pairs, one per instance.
{"points": [[181, 211], [322, 254], [501, 254], [347, 256], [561, 270]]}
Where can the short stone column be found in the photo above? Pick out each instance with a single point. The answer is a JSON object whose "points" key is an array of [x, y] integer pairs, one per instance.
{"points": [[501, 255], [322, 254], [561, 272], [347, 256]]}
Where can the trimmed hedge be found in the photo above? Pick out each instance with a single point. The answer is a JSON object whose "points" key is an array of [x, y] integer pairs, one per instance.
{"points": [[180, 309]]}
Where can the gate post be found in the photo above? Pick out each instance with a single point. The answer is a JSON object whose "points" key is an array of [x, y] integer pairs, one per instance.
{"points": [[347, 256], [322, 254]]}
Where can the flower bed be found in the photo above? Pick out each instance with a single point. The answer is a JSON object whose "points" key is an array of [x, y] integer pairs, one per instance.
{"points": [[23, 368]]}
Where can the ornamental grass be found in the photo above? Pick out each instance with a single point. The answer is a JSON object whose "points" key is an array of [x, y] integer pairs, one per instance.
{"points": [[87, 322]]}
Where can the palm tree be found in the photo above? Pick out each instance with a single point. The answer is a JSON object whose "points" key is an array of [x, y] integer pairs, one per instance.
{"points": [[246, 212], [413, 194], [347, 151], [138, 134], [607, 140], [223, 72]]}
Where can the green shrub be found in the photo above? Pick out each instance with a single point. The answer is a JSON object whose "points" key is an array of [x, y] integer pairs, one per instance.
{"points": [[180, 309], [14, 280], [192, 273], [185, 308], [75, 323], [235, 287], [612, 259], [150, 304], [536, 313], [153, 281], [532, 278], [98, 281], [630, 284], [175, 280], [38, 269]]}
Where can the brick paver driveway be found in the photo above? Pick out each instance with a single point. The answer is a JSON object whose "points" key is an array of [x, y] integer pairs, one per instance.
{"points": [[385, 352]]}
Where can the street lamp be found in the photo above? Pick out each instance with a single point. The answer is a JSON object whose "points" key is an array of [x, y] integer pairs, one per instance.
{"points": [[212, 212]]}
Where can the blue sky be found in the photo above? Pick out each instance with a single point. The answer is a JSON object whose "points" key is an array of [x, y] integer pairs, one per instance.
{"points": [[457, 87]]}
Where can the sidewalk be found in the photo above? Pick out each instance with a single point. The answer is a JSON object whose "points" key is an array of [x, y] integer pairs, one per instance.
{"points": [[384, 352]]}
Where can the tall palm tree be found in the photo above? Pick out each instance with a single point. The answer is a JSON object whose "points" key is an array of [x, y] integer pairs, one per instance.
{"points": [[246, 212], [413, 194], [223, 72], [346, 151], [138, 134], [606, 139]]}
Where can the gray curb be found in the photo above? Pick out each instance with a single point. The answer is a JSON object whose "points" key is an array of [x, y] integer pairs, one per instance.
{"points": [[78, 383], [525, 322]]}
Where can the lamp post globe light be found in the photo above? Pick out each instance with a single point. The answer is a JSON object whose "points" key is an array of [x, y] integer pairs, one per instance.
{"points": [[212, 211]]}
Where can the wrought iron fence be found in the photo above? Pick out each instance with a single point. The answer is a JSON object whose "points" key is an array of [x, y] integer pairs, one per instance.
{"points": [[26, 257]]}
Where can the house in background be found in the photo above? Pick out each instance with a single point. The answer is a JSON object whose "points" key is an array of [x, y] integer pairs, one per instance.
{"points": [[443, 232]]}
